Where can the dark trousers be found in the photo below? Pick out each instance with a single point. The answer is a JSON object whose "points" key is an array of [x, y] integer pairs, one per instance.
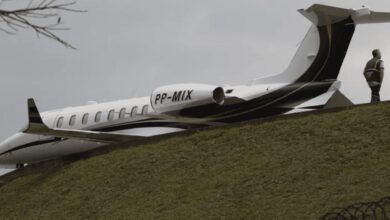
{"points": [[375, 97]]}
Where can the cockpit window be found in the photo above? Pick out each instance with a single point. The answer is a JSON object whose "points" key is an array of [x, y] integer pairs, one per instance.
{"points": [[59, 122], [72, 120], [85, 118]]}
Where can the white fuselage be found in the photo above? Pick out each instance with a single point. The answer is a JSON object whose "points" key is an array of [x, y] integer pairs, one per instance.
{"points": [[108, 117], [308, 83]]}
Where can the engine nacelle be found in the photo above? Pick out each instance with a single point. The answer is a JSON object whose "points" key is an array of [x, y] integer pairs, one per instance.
{"points": [[173, 98]]}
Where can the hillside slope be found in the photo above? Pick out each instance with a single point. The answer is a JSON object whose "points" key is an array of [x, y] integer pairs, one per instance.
{"points": [[292, 168]]}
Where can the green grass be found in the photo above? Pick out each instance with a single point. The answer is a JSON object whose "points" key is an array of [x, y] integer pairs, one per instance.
{"points": [[293, 168]]}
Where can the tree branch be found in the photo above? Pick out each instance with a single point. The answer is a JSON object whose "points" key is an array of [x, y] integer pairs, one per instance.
{"points": [[31, 17]]}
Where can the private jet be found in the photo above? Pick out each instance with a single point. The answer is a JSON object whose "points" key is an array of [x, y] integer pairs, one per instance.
{"points": [[309, 83]]}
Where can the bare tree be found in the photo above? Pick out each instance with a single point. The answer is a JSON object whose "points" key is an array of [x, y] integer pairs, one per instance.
{"points": [[42, 16]]}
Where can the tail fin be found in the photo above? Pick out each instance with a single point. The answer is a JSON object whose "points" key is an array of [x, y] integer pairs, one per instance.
{"points": [[324, 47]]}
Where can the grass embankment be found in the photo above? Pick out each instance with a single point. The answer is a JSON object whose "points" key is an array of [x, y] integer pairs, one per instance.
{"points": [[295, 168]]}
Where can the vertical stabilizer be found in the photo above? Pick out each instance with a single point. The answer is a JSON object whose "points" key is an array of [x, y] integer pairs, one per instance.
{"points": [[322, 52]]}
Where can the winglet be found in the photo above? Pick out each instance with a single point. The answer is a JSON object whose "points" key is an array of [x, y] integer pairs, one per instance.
{"points": [[35, 121], [33, 113]]}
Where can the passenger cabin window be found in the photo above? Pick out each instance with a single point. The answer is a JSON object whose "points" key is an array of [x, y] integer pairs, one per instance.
{"points": [[133, 111], [85, 118], [72, 120], [59, 122], [111, 115], [122, 113], [98, 116], [145, 109]]}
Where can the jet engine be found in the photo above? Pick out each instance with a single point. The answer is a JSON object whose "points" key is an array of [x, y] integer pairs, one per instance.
{"points": [[173, 98]]}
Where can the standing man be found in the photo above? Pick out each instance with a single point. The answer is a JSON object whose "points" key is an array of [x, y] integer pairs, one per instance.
{"points": [[374, 74]]}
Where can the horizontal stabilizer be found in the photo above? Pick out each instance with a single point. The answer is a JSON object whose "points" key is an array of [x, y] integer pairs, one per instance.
{"points": [[321, 15], [332, 99], [372, 17], [338, 99], [37, 126]]}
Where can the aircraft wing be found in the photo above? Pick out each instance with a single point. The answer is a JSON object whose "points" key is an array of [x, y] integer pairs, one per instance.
{"points": [[36, 126]]}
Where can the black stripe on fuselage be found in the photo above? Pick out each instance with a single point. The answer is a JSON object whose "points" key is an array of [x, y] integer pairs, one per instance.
{"points": [[316, 80], [148, 124], [119, 127], [334, 43], [32, 144], [267, 105]]}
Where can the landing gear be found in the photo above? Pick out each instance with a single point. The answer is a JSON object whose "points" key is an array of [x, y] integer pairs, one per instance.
{"points": [[19, 165]]}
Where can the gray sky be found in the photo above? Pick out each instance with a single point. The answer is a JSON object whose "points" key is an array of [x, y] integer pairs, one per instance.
{"points": [[127, 48]]}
